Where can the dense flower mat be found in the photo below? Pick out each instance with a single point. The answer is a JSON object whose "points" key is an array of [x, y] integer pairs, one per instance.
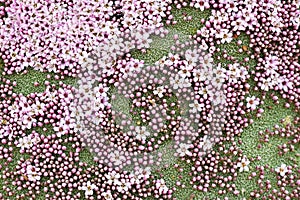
{"points": [[147, 99]]}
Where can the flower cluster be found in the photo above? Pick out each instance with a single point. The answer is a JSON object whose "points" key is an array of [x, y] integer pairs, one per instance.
{"points": [[57, 36], [128, 113]]}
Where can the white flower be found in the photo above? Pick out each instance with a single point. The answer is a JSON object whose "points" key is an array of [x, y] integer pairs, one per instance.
{"points": [[186, 83], [172, 60], [238, 24], [282, 170], [107, 69], [28, 120], [67, 123], [128, 21], [191, 56], [217, 81], [160, 9], [183, 150], [207, 73], [222, 15], [196, 106], [161, 62], [13, 109], [271, 64], [202, 4], [112, 177], [276, 79], [33, 173], [243, 72], [50, 96], [36, 139], [123, 186], [225, 36], [144, 43], [83, 57], [116, 158], [175, 82], [6, 131], [231, 6], [144, 174], [25, 142], [243, 165], [65, 94], [296, 20], [100, 103], [86, 108], [60, 131], [134, 178], [140, 175], [141, 133], [252, 102], [99, 117], [38, 108], [185, 70], [159, 91], [277, 24], [284, 84], [203, 46], [206, 61], [218, 17], [206, 144], [233, 72], [247, 14], [198, 75], [217, 97], [86, 89], [219, 72], [204, 92], [266, 84], [204, 32], [161, 186], [101, 90], [88, 188], [179, 82], [107, 195]]}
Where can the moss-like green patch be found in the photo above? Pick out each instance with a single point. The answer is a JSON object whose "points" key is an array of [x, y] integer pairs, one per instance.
{"points": [[268, 151], [87, 157], [25, 82], [161, 46]]}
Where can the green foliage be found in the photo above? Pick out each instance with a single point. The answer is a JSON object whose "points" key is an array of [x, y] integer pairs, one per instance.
{"points": [[25, 82]]}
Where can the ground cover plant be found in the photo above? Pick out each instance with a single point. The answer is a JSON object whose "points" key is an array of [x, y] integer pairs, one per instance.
{"points": [[146, 99]]}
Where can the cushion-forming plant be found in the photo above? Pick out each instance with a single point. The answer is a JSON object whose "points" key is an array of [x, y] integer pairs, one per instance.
{"points": [[147, 99]]}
